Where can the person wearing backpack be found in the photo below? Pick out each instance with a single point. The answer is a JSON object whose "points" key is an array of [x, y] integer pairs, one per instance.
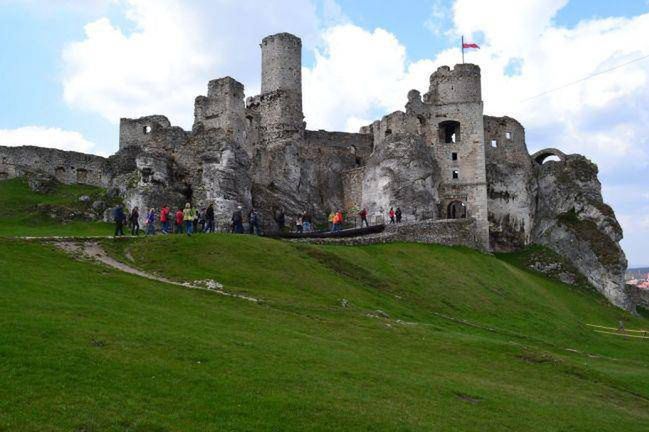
{"points": [[119, 217]]}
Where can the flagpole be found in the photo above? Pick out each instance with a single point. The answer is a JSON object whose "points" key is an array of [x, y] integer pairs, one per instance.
{"points": [[462, 49]]}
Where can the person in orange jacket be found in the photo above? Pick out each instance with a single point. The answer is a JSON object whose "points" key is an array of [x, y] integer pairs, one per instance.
{"points": [[338, 221]]}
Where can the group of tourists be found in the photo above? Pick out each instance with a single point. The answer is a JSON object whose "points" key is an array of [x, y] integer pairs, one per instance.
{"points": [[185, 220], [395, 215], [189, 220]]}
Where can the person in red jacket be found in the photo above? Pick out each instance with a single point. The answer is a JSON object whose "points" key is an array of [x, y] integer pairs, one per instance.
{"points": [[391, 214], [179, 221], [164, 219], [363, 215]]}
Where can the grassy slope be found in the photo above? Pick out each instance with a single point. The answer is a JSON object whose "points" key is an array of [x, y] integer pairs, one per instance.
{"points": [[19, 215], [87, 348]]}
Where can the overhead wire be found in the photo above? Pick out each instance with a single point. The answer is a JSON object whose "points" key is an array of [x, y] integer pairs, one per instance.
{"points": [[586, 78]]}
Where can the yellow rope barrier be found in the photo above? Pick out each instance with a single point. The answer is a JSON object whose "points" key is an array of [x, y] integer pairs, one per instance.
{"points": [[622, 334], [613, 328]]}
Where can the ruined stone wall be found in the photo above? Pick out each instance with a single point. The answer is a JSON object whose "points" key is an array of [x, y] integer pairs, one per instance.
{"points": [[66, 166], [150, 131], [223, 107], [353, 189], [359, 145], [511, 184]]}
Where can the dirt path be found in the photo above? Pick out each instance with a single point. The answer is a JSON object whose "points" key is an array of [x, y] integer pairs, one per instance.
{"points": [[93, 250]]}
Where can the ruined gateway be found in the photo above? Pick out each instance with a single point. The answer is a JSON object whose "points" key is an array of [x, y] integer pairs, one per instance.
{"points": [[441, 159]]}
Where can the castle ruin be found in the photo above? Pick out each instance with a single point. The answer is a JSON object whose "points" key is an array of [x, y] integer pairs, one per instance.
{"points": [[441, 160]]}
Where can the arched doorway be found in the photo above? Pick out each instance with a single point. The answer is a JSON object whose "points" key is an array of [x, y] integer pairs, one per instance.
{"points": [[456, 210]]}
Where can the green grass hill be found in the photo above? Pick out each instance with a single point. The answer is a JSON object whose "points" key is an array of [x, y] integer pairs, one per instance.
{"points": [[393, 337]]}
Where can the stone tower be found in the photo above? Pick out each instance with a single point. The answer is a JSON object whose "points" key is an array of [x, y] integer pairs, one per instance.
{"points": [[458, 143], [281, 64], [281, 85]]}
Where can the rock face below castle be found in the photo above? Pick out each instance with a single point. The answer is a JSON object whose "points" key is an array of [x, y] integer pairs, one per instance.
{"points": [[440, 159]]}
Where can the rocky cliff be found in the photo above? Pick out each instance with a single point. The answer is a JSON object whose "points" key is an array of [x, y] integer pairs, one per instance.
{"points": [[572, 220]]}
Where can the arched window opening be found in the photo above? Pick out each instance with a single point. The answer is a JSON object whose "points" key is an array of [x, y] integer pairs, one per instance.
{"points": [[146, 129], [494, 143], [549, 158], [449, 132], [456, 210], [388, 132]]}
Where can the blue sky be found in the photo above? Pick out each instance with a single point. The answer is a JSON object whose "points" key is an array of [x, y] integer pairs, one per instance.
{"points": [[70, 69]]}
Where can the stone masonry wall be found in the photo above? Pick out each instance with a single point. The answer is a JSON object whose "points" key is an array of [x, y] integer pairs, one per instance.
{"points": [[353, 188], [68, 167], [459, 232], [223, 107]]}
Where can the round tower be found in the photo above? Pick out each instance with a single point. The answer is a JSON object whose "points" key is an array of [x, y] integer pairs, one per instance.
{"points": [[457, 85], [281, 84], [281, 63]]}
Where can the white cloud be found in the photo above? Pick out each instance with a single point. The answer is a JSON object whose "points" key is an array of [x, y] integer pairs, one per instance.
{"points": [[176, 47], [45, 137], [358, 74]]}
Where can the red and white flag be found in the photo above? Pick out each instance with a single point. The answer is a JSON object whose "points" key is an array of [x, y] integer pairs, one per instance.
{"points": [[470, 45]]}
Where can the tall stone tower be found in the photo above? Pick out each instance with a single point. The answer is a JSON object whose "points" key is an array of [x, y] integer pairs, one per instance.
{"points": [[458, 143], [281, 85]]}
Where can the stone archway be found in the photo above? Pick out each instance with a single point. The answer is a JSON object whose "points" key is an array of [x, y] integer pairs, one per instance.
{"points": [[540, 156], [456, 210]]}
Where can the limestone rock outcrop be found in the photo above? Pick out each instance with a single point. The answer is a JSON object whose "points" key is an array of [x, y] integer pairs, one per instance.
{"points": [[572, 220], [401, 170]]}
